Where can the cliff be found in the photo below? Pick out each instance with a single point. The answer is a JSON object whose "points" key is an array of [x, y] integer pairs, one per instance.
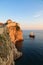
{"points": [[1, 23], [10, 32], [14, 31]]}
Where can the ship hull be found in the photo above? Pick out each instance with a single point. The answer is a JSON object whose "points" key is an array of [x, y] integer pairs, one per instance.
{"points": [[32, 36]]}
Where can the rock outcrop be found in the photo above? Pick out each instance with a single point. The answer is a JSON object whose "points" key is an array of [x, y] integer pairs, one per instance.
{"points": [[8, 51], [1, 23], [15, 31]]}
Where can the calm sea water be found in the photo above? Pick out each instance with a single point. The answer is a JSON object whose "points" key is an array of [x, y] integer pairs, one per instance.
{"points": [[32, 49]]}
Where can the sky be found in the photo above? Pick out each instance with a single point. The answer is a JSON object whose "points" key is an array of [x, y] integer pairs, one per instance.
{"points": [[28, 13]]}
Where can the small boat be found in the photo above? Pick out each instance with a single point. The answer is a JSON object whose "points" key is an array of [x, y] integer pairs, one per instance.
{"points": [[32, 35]]}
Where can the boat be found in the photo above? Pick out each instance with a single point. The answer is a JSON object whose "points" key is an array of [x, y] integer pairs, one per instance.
{"points": [[32, 35]]}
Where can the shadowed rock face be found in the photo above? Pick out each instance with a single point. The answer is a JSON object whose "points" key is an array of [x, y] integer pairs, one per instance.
{"points": [[8, 51]]}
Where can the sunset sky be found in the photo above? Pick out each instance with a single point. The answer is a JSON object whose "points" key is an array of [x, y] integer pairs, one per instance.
{"points": [[28, 13]]}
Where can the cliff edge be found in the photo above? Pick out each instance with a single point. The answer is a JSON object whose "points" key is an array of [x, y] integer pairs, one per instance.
{"points": [[8, 35], [14, 31]]}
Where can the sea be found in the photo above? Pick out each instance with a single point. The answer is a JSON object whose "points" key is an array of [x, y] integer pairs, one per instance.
{"points": [[32, 48]]}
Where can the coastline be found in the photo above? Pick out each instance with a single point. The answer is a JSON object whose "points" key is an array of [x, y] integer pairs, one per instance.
{"points": [[8, 50]]}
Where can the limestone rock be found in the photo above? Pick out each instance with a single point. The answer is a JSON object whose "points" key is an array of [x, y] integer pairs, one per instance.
{"points": [[8, 51], [19, 35], [14, 31]]}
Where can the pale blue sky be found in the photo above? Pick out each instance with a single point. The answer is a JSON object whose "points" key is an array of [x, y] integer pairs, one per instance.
{"points": [[29, 13]]}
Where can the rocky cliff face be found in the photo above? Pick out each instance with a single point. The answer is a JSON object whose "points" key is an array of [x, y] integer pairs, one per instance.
{"points": [[14, 31], [1, 23], [10, 33]]}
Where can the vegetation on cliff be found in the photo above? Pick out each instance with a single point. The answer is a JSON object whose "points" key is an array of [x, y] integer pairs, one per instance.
{"points": [[8, 51]]}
